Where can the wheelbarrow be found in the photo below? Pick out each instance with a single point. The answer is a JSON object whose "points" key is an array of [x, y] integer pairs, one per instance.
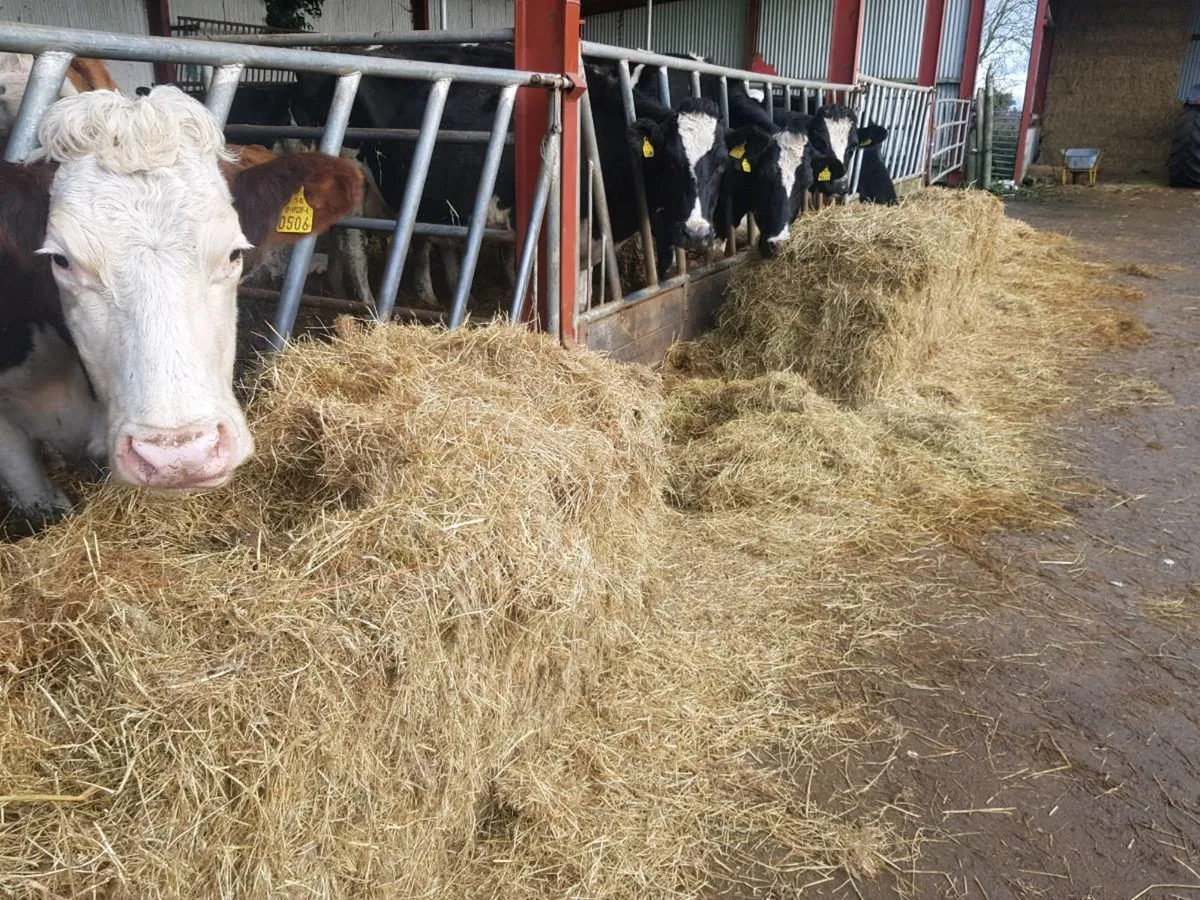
{"points": [[1079, 161]]}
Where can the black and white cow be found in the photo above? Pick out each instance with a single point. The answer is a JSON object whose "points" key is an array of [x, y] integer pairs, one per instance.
{"points": [[841, 126], [874, 181], [774, 162], [122, 243]]}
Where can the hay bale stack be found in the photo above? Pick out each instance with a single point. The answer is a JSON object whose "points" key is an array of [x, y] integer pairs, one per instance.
{"points": [[862, 296], [309, 681]]}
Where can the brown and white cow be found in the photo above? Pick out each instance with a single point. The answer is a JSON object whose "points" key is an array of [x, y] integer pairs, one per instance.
{"points": [[121, 245]]}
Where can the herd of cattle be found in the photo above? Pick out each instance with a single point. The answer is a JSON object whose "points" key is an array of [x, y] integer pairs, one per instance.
{"points": [[124, 238]]}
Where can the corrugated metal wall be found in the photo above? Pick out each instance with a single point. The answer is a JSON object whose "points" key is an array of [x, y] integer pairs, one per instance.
{"points": [[891, 41], [954, 41], [714, 28], [126, 16], [1190, 73], [336, 15], [793, 36]]}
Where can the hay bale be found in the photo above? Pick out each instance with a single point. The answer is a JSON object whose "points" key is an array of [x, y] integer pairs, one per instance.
{"points": [[862, 296], [313, 677]]}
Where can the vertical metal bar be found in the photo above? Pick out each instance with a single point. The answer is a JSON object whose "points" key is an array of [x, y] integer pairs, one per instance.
{"points": [[302, 251], [221, 90], [541, 193], [649, 22], [407, 217], [639, 182], [591, 147], [587, 231], [696, 85], [726, 183], [443, 15], [554, 222], [769, 91], [787, 97], [45, 81], [664, 86], [483, 200]]}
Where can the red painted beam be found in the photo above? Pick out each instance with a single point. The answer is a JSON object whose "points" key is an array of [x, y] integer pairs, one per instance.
{"points": [[845, 41], [420, 15], [966, 88], [1040, 21], [931, 42], [158, 24], [546, 39], [753, 13]]}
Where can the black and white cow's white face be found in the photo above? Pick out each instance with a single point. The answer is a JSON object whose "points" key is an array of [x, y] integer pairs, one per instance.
{"points": [[778, 170], [841, 132], [683, 156]]}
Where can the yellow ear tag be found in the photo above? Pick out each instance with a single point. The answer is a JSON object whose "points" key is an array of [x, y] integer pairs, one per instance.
{"points": [[647, 148], [297, 215], [825, 175], [865, 143], [738, 152], [745, 165]]}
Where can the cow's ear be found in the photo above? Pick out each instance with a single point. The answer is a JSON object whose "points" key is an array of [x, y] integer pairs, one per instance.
{"points": [[281, 201], [747, 142], [827, 168], [646, 137], [870, 135]]}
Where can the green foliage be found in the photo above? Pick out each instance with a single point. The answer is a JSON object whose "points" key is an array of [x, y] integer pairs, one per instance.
{"points": [[294, 15]]}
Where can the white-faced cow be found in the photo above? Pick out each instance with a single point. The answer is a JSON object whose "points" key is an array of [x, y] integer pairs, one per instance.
{"points": [[122, 243], [841, 126]]}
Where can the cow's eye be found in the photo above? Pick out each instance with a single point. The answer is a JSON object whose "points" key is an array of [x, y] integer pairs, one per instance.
{"points": [[236, 256], [61, 261]]}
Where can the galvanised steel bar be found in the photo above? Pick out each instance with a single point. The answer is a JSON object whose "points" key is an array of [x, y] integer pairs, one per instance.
{"points": [[639, 183], [45, 81], [242, 132], [606, 51], [483, 200], [297, 270], [541, 194], [591, 149], [407, 217], [727, 185], [219, 96], [21, 38], [554, 208], [425, 229], [368, 39]]}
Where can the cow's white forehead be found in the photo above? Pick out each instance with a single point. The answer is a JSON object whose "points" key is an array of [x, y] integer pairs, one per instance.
{"points": [[697, 131], [791, 156], [839, 136], [126, 135]]}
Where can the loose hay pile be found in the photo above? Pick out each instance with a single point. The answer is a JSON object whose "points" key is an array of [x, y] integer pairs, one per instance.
{"points": [[310, 682]]}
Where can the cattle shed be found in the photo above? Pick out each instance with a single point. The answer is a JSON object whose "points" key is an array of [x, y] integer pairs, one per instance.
{"points": [[907, 65], [1109, 74]]}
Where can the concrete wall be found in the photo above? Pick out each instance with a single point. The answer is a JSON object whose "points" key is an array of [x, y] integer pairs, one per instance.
{"points": [[1113, 79]]}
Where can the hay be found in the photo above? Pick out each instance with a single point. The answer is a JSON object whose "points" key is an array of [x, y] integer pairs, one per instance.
{"points": [[315, 678], [856, 302]]}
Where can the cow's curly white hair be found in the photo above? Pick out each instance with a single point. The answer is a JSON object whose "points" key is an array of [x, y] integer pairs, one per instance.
{"points": [[127, 135]]}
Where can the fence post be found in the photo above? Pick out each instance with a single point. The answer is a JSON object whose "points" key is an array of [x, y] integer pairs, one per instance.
{"points": [[970, 159], [989, 114]]}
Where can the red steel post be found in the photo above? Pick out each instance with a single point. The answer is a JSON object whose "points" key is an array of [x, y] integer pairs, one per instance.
{"points": [[1031, 82], [966, 87], [845, 41], [931, 42], [547, 40]]}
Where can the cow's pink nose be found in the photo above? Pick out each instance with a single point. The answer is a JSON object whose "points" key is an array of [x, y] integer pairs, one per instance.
{"points": [[175, 458]]}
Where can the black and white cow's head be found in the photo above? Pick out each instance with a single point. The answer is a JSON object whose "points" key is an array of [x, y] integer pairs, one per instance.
{"points": [[841, 134], [778, 169], [683, 156]]}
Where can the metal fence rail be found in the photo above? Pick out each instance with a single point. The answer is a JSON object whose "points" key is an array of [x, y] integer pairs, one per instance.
{"points": [[952, 126], [55, 48], [905, 111], [194, 79]]}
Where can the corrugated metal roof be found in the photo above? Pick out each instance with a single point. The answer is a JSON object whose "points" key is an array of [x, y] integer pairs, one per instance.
{"points": [[793, 36], [891, 42], [954, 40], [714, 28], [1190, 73]]}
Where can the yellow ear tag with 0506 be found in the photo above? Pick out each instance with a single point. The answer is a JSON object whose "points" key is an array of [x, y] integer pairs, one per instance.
{"points": [[745, 165], [297, 215], [825, 175], [865, 142], [738, 152], [647, 148]]}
